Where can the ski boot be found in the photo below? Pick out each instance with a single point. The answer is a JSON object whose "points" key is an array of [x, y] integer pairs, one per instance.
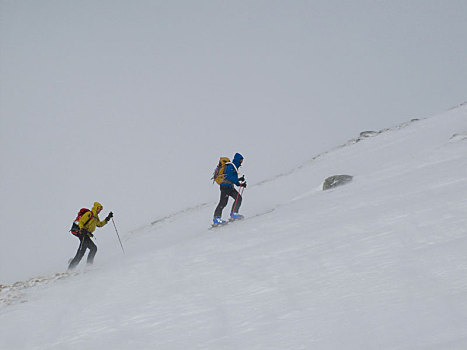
{"points": [[217, 221], [236, 216]]}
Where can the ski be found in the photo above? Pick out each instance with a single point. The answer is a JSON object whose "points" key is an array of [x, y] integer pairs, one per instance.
{"points": [[225, 223], [213, 227], [245, 218]]}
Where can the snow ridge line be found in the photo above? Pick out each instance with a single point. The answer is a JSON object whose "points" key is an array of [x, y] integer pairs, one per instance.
{"points": [[171, 216], [363, 135]]}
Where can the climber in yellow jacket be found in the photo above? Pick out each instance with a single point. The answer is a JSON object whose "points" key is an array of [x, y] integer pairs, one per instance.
{"points": [[87, 225]]}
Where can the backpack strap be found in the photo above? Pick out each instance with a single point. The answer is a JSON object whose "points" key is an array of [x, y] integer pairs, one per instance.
{"points": [[87, 221], [236, 169], [75, 227], [225, 181]]}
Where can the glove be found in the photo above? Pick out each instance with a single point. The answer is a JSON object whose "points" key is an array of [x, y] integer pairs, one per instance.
{"points": [[243, 184], [242, 179], [110, 216], [90, 235]]}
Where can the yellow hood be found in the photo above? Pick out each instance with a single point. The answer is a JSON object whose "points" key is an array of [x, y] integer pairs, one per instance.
{"points": [[95, 207]]}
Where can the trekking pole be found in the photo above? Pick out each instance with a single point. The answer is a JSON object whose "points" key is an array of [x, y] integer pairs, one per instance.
{"points": [[121, 245], [239, 193]]}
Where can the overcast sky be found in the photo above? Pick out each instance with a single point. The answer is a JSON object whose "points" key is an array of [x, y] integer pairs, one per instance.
{"points": [[131, 102]]}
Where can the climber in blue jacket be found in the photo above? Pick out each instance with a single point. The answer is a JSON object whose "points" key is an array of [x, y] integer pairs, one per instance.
{"points": [[228, 190]]}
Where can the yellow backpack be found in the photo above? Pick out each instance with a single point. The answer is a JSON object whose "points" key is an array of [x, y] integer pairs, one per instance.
{"points": [[218, 175]]}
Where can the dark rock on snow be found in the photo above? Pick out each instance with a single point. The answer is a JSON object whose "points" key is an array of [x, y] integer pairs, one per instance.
{"points": [[336, 180]]}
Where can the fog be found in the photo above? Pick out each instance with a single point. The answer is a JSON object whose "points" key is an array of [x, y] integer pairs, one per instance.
{"points": [[130, 103]]}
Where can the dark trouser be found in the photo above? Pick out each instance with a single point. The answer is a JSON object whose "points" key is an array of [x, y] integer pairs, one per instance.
{"points": [[85, 243], [225, 193]]}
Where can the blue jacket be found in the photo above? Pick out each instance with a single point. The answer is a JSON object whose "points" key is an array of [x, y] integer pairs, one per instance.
{"points": [[231, 171]]}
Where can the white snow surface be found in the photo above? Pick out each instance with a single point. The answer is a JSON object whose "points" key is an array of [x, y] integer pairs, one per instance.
{"points": [[380, 263]]}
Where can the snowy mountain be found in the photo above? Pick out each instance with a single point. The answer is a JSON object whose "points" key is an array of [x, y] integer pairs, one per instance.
{"points": [[380, 263]]}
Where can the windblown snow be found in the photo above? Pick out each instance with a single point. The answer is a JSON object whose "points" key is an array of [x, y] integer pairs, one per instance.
{"points": [[379, 263]]}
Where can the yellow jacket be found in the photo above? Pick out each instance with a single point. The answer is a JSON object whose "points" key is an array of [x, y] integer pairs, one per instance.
{"points": [[90, 220]]}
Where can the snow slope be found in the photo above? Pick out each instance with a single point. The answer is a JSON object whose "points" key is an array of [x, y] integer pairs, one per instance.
{"points": [[380, 263]]}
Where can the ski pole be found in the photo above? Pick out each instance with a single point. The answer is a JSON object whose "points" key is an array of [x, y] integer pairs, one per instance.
{"points": [[121, 245], [236, 199]]}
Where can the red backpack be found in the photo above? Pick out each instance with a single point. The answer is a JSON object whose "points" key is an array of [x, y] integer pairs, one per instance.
{"points": [[75, 227]]}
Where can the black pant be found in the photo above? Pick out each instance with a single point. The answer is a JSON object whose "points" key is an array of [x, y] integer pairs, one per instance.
{"points": [[225, 193], [85, 243]]}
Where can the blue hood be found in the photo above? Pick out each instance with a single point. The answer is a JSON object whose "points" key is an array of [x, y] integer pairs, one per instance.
{"points": [[237, 159]]}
